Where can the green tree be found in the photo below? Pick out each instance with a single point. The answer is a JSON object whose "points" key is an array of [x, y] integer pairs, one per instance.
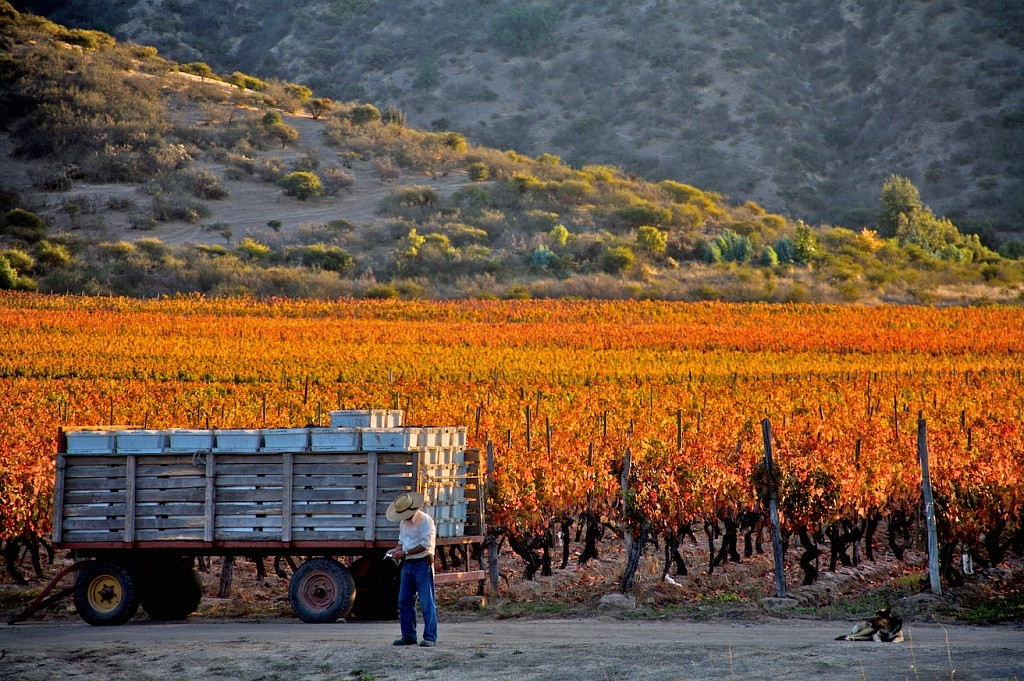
{"points": [[805, 243], [898, 197], [921, 228], [247, 82], [768, 257], [271, 118], [283, 132], [197, 68], [652, 239], [301, 184], [729, 246], [559, 235], [318, 106]]}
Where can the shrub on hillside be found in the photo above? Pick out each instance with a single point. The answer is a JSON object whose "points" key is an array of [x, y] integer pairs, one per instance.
{"points": [[178, 208], [51, 255], [22, 262], [8, 276], [325, 257], [336, 179], [301, 184], [617, 259], [644, 213], [24, 225], [250, 249], [364, 114], [478, 172], [204, 184], [523, 27], [729, 246], [247, 82], [1012, 250]]}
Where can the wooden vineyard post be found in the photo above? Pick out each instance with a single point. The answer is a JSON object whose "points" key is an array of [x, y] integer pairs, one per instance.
{"points": [[627, 463], [929, 508], [773, 510], [492, 548], [528, 443]]}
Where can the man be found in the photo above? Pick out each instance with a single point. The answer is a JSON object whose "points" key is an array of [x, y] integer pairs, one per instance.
{"points": [[416, 536]]}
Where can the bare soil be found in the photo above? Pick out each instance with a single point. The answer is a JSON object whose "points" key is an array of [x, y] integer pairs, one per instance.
{"points": [[571, 649], [722, 625]]}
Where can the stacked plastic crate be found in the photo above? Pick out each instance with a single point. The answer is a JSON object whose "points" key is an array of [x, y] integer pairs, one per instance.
{"points": [[443, 457]]}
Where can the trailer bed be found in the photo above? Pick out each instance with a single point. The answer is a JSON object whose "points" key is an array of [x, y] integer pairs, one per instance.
{"points": [[259, 500]]}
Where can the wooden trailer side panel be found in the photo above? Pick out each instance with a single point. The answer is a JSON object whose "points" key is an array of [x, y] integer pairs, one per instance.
{"points": [[231, 497]]}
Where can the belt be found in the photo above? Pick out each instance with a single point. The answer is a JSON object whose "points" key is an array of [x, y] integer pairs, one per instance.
{"points": [[422, 556]]}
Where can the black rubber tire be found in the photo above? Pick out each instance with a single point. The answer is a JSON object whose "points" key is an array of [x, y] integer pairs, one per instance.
{"points": [[172, 592], [321, 590], [105, 594], [377, 581]]}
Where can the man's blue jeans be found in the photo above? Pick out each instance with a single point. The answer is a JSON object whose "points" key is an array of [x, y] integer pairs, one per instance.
{"points": [[417, 578]]}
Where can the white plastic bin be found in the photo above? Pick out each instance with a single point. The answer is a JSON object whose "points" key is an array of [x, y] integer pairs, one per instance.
{"points": [[237, 440], [140, 441], [334, 439], [189, 440], [90, 441], [390, 439], [286, 440], [366, 418]]}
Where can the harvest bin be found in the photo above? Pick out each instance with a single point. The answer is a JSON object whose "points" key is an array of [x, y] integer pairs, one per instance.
{"points": [[138, 506]]}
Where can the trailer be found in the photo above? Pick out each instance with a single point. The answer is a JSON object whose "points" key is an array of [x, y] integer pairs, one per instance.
{"points": [[136, 507]]}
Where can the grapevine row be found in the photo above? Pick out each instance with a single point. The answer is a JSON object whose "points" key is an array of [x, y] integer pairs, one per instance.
{"points": [[562, 390]]}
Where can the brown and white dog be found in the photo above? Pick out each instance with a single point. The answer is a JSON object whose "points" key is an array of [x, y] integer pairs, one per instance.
{"points": [[884, 627]]}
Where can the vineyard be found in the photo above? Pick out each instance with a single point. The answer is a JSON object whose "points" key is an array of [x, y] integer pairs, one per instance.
{"points": [[562, 392]]}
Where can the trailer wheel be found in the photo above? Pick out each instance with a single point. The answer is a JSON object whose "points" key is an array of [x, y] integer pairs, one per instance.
{"points": [[171, 593], [321, 590], [105, 594]]}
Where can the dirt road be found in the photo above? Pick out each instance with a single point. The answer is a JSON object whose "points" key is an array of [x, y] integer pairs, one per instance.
{"points": [[602, 648]]}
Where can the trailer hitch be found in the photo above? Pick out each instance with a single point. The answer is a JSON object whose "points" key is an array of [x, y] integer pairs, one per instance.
{"points": [[45, 601]]}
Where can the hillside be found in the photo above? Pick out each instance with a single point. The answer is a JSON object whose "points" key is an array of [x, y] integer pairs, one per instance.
{"points": [[800, 107], [124, 173]]}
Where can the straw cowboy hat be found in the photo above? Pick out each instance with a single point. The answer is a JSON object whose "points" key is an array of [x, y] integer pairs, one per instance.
{"points": [[404, 506]]}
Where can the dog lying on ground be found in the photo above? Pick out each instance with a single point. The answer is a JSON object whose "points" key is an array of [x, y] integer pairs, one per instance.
{"points": [[884, 627]]}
